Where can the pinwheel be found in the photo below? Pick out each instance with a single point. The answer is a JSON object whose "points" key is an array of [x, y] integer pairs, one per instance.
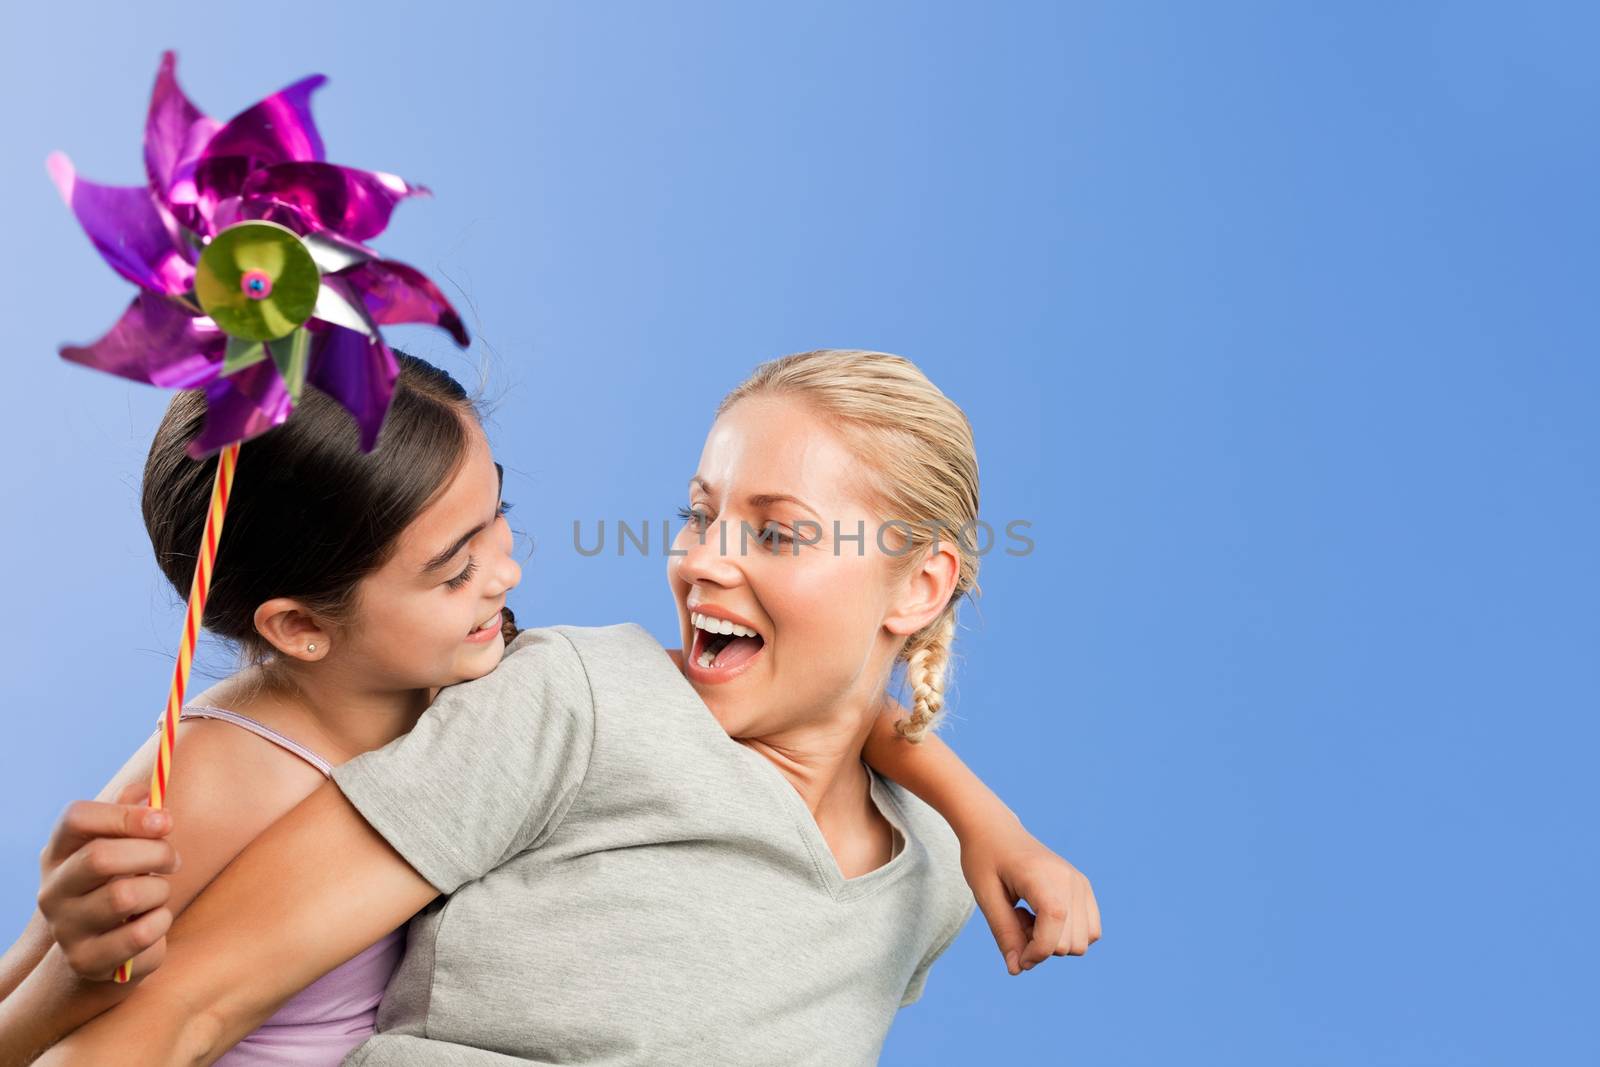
{"points": [[254, 280], [247, 248]]}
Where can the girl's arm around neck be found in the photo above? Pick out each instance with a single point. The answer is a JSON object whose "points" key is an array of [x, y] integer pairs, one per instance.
{"points": [[937, 776], [1003, 863], [314, 890]]}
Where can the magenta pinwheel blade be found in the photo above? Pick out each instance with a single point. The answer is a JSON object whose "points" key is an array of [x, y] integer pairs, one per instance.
{"points": [[243, 405], [279, 129], [156, 342], [352, 203], [395, 293], [359, 372], [127, 228], [175, 133]]}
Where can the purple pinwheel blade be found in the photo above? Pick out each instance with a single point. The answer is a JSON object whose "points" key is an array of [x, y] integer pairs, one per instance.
{"points": [[277, 130], [353, 203], [175, 132], [242, 405], [238, 209], [357, 371], [130, 231], [156, 342], [395, 293]]}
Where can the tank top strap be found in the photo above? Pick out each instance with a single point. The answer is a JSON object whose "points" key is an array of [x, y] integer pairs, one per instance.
{"points": [[261, 730]]}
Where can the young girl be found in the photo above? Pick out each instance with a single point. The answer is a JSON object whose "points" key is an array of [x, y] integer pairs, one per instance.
{"points": [[404, 599]]}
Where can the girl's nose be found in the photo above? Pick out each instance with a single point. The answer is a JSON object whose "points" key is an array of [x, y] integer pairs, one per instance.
{"points": [[505, 576]]}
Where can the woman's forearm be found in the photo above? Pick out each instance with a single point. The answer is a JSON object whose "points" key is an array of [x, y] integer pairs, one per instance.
{"points": [[316, 888], [935, 774]]}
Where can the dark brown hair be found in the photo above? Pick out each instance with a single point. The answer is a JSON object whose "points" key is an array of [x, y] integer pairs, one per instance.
{"points": [[310, 514]]}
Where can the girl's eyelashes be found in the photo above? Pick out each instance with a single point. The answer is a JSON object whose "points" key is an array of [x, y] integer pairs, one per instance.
{"points": [[465, 576], [471, 568], [695, 516]]}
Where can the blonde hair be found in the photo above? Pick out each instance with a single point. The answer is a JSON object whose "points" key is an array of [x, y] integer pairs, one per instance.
{"points": [[920, 467]]}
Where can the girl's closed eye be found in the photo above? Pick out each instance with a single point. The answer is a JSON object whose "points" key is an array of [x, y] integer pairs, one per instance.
{"points": [[465, 576]]}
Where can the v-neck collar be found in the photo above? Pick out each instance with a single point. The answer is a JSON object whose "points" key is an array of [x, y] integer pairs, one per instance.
{"points": [[786, 796]]}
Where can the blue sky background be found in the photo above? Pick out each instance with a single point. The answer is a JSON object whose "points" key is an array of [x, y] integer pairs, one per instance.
{"points": [[1276, 320]]}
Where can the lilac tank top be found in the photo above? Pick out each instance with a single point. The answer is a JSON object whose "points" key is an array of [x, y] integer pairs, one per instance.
{"points": [[326, 1020]]}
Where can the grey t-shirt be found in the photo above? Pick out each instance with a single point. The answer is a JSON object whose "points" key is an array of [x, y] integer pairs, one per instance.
{"points": [[628, 885]]}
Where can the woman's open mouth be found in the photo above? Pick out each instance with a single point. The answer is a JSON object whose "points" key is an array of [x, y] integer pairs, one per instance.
{"points": [[722, 649]]}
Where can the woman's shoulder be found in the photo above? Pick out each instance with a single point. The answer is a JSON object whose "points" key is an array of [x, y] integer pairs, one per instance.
{"points": [[939, 847], [622, 654], [623, 636]]}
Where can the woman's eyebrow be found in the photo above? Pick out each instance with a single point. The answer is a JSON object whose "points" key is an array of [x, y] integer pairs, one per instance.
{"points": [[756, 500]]}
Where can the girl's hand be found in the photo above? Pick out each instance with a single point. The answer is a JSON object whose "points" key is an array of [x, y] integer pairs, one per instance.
{"points": [[1009, 865], [101, 888]]}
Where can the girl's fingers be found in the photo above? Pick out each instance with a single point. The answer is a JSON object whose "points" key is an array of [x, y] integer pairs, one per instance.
{"points": [[1094, 918], [101, 860], [86, 820], [1004, 925], [107, 908], [134, 793], [1025, 918], [98, 958], [1050, 917], [149, 959], [1080, 931]]}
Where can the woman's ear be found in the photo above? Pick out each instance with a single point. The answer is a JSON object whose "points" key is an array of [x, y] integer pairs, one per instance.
{"points": [[926, 591], [293, 630]]}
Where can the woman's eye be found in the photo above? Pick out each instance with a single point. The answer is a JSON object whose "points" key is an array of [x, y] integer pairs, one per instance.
{"points": [[772, 533], [465, 576], [694, 516], [500, 512]]}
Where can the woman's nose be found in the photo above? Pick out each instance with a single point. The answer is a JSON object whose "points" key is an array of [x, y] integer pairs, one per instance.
{"points": [[709, 555]]}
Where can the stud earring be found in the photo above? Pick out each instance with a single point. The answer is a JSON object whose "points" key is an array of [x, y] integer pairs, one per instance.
{"points": [[311, 648]]}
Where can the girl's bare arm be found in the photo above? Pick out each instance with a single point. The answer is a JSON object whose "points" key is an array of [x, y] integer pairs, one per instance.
{"points": [[315, 889]]}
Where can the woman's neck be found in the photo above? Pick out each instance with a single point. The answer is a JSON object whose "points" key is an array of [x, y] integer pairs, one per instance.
{"points": [[823, 762], [335, 718]]}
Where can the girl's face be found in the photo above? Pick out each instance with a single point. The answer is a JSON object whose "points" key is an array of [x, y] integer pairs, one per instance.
{"points": [[430, 616], [780, 539]]}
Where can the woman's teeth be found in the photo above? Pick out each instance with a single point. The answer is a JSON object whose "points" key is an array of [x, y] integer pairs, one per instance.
{"points": [[716, 629], [720, 626]]}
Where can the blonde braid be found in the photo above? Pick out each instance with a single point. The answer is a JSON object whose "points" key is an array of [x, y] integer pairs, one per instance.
{"points": [[926, 669]]}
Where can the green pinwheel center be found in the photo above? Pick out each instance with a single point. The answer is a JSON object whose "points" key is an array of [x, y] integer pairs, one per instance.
{"points": [[257, 281]]}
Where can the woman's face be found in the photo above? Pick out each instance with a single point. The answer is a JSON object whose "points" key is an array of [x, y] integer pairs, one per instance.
{"points": [[815, 595], [430, 616]]}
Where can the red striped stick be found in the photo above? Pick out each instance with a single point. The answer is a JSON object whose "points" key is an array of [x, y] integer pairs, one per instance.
{"points": [[220, 488]]}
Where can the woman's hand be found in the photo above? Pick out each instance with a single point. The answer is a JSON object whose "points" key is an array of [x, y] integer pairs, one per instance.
{"points": [[101, 885], [1007, 864]]}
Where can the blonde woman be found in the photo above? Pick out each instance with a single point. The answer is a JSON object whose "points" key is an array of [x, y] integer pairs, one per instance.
{"points": [[645, 859]]}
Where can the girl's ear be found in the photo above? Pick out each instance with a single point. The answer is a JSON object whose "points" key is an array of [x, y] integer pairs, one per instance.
{"points": [[293, 630], [926, 591]]}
